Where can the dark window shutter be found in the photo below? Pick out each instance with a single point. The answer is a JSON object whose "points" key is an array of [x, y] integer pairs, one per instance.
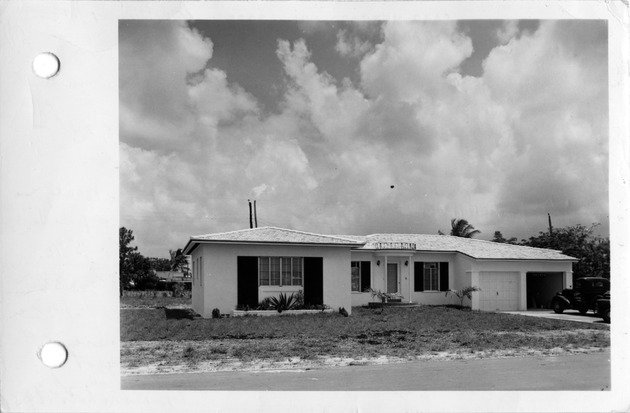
{"points": [[247, 281], [418, 276], [365, 275], [444, 276]]}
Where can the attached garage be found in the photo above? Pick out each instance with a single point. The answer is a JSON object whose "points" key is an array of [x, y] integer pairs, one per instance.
{"points": [[500, 291], [541, 287]]}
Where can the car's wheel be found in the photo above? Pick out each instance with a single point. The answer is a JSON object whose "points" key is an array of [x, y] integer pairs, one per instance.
{"points": [[583, 310], [558, 308], [606, 316]]}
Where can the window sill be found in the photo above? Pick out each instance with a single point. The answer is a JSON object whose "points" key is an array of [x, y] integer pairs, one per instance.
{"points": [[280, 287]]}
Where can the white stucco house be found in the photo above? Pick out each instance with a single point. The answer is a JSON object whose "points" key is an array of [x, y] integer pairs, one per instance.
{"points": [[243, 267]]}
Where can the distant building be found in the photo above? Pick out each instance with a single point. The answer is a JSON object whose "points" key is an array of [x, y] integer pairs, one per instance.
{"points": [[173, 276]]}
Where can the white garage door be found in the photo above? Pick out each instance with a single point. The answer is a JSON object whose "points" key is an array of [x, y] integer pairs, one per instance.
{"points": [[499, 291]]}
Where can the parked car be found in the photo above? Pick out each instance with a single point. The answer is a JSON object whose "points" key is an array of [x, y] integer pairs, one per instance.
{"points": [[602, 307], [583, 297]]}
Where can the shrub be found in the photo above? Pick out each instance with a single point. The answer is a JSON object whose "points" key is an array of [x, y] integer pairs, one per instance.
{"points": [[299, 300], [180, 290], [216, 313], [265, 304], [463, 293], [283, 302], [189, 352]]}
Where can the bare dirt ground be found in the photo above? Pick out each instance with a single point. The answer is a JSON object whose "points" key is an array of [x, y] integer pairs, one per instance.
{"points": [[155, 357]]}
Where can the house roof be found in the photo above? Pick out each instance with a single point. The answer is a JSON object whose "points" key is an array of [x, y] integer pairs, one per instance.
{"points": [[272, 235], [474, 248]]}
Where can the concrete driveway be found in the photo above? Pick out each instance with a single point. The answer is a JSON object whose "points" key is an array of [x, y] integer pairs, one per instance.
{"points": [[567, 315]]}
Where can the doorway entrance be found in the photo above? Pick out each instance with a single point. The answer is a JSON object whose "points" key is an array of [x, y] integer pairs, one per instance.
{"points": [[541, 287], [392, 277]]}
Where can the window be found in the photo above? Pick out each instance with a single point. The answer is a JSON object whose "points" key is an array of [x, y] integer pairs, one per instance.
{"points": [[274, 265], [356, 276], [280, 271], [201, 271], [360, 272], [286, 271], [297, 271], [264, 271], [431, 276]]}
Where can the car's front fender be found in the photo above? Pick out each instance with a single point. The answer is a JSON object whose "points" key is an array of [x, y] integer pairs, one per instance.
{"points": [[564, 300]]}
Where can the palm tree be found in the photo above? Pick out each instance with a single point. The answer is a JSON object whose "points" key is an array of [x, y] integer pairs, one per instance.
{"points": [[461, 228], [179, 262]]}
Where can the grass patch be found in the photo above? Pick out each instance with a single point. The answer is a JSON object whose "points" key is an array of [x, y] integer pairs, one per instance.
{"points": [[155, 302], [399, 332]]}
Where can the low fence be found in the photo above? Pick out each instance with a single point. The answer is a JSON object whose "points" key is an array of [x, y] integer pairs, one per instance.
{"points": [[147, 294]]}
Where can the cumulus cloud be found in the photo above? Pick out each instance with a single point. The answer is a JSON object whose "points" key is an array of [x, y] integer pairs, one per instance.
{"points": [[500, 150], [508, 30], [351, 46]]}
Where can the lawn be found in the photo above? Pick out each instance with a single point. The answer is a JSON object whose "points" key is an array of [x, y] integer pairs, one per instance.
{"points": [[155, 302], [174, 336]]}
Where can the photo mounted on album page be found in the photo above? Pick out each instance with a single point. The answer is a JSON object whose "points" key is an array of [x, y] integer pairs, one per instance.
{"points": [[375, 200]]}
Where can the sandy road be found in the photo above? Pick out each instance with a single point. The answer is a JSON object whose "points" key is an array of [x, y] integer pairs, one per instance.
{"points": [[566, 372]]}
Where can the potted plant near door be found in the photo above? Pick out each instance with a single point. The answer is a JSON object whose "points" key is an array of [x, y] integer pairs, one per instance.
{"points": [[394, 297], [378, 294], [385, 297]]}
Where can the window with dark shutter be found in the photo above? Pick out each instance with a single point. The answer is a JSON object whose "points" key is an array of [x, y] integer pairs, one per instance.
{"points": [[444, 276], [361, 276], [418, 276], [365, 275]]}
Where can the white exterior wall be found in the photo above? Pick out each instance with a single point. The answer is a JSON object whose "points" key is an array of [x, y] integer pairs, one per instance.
{"points": [[197, 292], [437, 297], [220, 274], [522, 267], [376, 282], [463, 272], [462, 276]]}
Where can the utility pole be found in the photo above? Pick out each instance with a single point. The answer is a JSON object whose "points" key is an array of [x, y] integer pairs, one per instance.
{"points": [[251, 224], [550, 227], [255, 216]]}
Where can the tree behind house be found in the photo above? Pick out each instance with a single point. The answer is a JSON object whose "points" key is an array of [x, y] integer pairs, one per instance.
{"points": [[461, 228], [578, 241], [179, 261], [498, 237], [124, 250], [135, 270]]}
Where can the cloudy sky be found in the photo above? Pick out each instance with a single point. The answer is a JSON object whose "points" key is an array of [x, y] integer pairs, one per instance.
{"points": [[361, 127]]}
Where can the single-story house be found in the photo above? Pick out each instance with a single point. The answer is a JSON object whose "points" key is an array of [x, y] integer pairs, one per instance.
{"points": [[241, 268], [173, 276]]}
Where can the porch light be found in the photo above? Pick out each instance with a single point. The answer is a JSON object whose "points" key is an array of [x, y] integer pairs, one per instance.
{"points": [[406, 263], [378, 262]]}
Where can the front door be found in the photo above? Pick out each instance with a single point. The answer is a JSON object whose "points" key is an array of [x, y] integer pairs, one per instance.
{"points": [[392, 277]]}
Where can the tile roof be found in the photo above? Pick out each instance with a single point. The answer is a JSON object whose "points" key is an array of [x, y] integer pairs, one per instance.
{"points": [[474, 248], [276, 235], [478, 249]]}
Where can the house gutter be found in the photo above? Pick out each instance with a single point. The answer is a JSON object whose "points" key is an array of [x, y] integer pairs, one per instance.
{"points": [[266, 243]]}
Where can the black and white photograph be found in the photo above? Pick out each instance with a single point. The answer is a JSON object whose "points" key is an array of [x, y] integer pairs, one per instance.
{"points": [[364, 205], [314, 206]]}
